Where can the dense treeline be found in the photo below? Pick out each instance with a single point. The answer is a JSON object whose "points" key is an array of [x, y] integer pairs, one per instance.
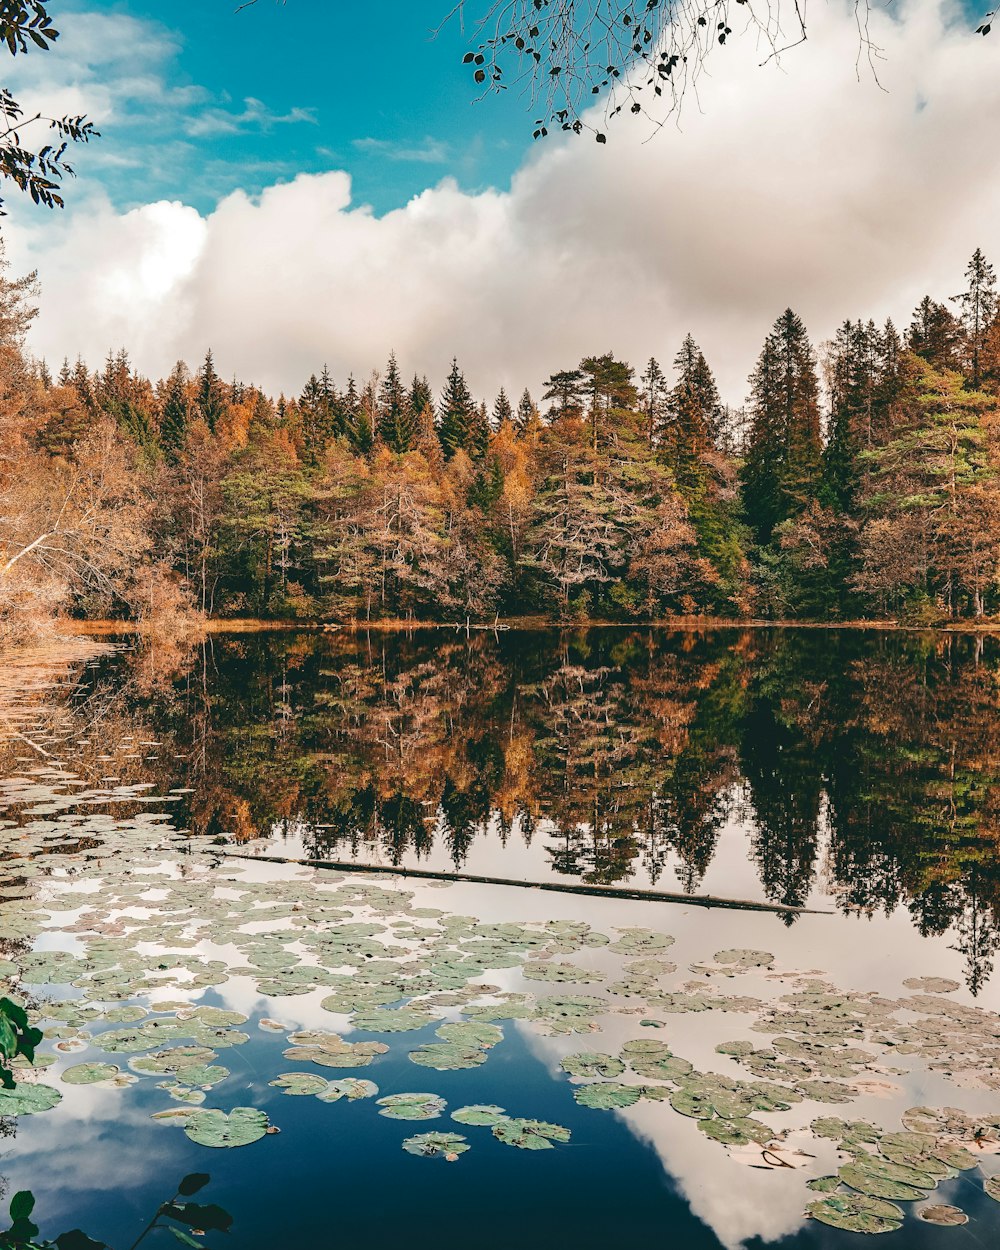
{"points": [[859, 480]]}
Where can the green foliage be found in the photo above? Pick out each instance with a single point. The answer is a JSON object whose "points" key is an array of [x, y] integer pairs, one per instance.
{"points": [[18, 1039]]}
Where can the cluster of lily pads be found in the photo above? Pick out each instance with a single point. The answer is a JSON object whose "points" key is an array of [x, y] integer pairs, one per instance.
{"points": [[148, 921]]}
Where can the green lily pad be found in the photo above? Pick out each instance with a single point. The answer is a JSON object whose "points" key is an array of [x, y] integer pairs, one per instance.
{"points": [[398, 1020], [855, 1213], [824, 1184], [592, 1063], [931, 985], [640, 941], [90, 1073], [738, 1132], [485, 1115], [448, 1056], [351, 1088], [28, 1099], [530, 1134], [241, 1127], [744, 958], [300, 1084], [992, 1188], [446, 1146], [557, 972], [411, 1106], [879, 1178], [603, 1096], [471, 1033]]}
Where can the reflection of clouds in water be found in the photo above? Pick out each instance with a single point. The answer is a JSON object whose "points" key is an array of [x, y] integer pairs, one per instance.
{"points": [[86, 1146], [736, 1202]]}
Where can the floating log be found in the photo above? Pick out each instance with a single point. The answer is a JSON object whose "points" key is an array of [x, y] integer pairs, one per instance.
{"points": [[556, 887]]}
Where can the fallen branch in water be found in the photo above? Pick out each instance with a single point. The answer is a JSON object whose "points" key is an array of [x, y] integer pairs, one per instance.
{"points": [[558, 887]]}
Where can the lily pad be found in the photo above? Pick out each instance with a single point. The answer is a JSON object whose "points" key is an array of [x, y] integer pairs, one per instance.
{"points": [[941, 1213], [90, 1073], [603, 1096], [530, 1134], [241, 1127], [855, 1213], [448, 1056], [591, 1063], [485, 1115], [411, 1106], [446, 1146], [744, 958], [302, 1084], [351, 1088], [28, 1099], [931, 985]]}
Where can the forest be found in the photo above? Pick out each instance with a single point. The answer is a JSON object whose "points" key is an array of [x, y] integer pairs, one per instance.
{"points": [[859, 480]]}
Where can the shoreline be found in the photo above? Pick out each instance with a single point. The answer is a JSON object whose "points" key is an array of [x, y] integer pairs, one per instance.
{"points": [[241, 625]]}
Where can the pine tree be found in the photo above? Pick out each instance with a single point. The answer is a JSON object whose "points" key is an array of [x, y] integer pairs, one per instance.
{"points": [[211, 400], [609, 386], [502, 410], [854, 380], [653, 397], [780, 472], [126, 398], [935, 335], [458, 416], [479, 435], [692, 418], [174, 412], [420, 395], [397, 421], [527, 413], [352, 423], [65, 373], [979, 310], [564, 390], [318, 411]]}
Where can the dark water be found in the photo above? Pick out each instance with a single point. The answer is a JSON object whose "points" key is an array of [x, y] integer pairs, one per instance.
{"points": [[854, 774]]}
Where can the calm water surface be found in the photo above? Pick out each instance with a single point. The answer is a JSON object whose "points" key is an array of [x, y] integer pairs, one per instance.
{"points": [[849, 780]]}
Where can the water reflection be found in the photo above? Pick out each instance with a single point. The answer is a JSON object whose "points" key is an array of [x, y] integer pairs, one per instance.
{"points": [[854, 767]]}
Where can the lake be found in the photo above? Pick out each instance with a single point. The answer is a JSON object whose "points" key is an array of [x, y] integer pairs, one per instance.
{"points": [[805, 1020]]}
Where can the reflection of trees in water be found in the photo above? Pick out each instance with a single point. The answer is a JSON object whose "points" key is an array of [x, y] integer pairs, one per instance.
{"points": [[873, 757]]}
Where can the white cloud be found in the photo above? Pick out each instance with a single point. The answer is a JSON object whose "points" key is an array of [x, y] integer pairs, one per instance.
{"points": [[430, 152], [254, 116], [795, 185]]}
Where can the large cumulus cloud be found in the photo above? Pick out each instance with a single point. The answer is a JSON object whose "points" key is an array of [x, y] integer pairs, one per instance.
{"points": [[807, 184]]}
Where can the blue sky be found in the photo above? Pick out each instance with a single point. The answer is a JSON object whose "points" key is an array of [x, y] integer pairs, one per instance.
{"points": [[366, 88]]}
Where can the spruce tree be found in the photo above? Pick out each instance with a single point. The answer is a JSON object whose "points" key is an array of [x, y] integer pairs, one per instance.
{"points": [[935, 335], [853, 369], [502, 410], [397, 422], [211, 398], [979, 310], [527, 413], [653, 397], [174, 413], [458, 416], [420, 395], [779, 475], [692, 416]]}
